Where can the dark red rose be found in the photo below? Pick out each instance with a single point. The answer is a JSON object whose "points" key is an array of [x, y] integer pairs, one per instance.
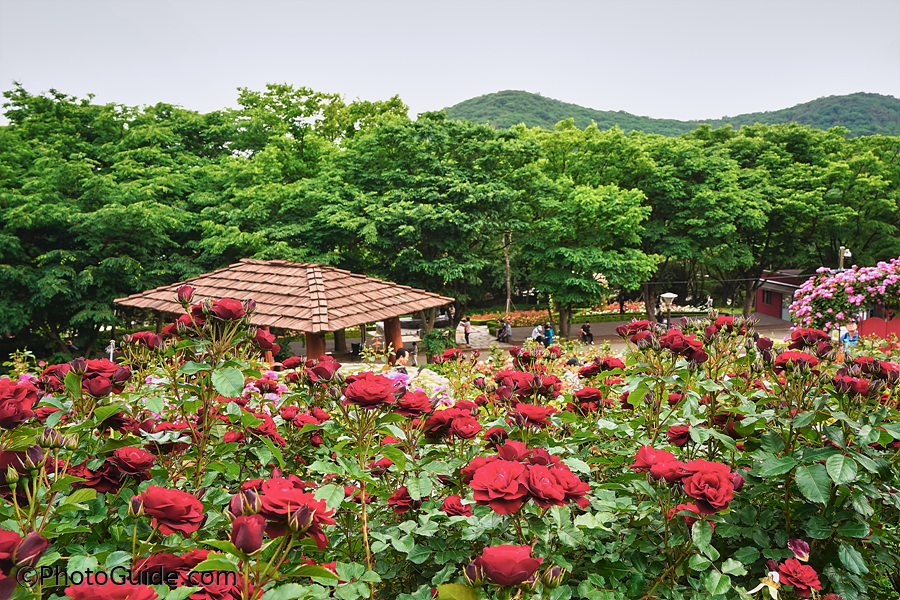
{"points": [[107, 478], [589, 394], [185, 293], [671, 471], [678, 435], [805, 338], [133, 461], [31, 549], [454, 507], [724, 322], [324, 369], [764, 343], [589, 370], [495, 435], [508, 565], [265, 341], [632, 328], [111, 591], [172, 510], [538, 416], [234, 436], [643, 339], [9, 541], [574, 488], [500, 484], [17, 399], [292, 362], [803, 577], [280, 500], [402, 502], [227, 309], [609, 363], [370, 392], [646, 457], [147, 339], [796, 360], [514, 451], [247, 533], [710, 484], [465, 428], [689, 519], [540, 456], [468, 472], [413, 404], [680, 344], [543, 487], [97, 387]]}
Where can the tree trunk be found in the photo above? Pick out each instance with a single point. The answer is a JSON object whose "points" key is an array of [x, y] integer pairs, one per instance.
{"points": [[649, 302], [428, 316], [340, 341], [508, 241], [565, 312]]}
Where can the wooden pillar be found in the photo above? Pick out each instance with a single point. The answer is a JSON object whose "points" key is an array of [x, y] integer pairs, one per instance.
{"points": [[340, 341], [362, 334], [315, 344], [268, 353], [392, 335]]}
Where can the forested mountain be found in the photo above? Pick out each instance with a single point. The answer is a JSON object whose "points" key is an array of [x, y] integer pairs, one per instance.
{"points": [[861, 114], [101, 201]]}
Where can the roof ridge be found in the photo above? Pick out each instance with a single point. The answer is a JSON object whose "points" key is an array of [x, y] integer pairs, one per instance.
{"points": [[318, 300]]}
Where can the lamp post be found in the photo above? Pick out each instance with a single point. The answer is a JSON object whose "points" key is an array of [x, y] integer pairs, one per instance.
{"points": [[667, 299], [843, 253]]}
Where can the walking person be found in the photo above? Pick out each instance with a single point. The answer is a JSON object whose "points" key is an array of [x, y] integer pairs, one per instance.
{"points": [[467, 329]]}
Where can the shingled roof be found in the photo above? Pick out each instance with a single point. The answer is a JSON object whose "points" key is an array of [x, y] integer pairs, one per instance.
{"points": [[297, 296]]}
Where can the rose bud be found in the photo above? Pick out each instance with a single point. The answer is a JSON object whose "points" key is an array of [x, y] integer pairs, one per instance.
{"points": [[300, 520], [335, 392], [476, 353], [799, 548], [553, 576], [250, 306], [247, 533], [474, 574], [245, 502], [136, 506], [738, 481], [50, 438], [185, 294], [30, 550], [479, 382], [12, 476], [122, 374], [78, 366], [34, 457], [70, 442]]}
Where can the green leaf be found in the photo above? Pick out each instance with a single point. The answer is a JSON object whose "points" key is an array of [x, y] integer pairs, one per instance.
{"points": [[841, 469], [776, 466], [119, 557], [419, 554], [333, 495], [73, 384], [216, 563], [717, 583], [852, 559], [698, 562], [229, 382], [814, 483], [853, 529], [701, 533], [419, 487], [191, 367], [456, 591], [396, 455], [289, 591], [155, 404], [747, 555], [104, 412], [182, 592], [804, 418], [818, 528], [80, 495], [314, 572], [733, 567], [404, 544], [276, 451]]}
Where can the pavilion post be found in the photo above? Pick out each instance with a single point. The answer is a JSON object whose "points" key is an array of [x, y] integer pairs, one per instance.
{"points": [[340, 341], [392, 335], [315, 344], [268, 353]]}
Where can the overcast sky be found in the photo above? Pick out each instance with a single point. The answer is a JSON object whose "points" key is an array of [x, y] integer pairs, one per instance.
{"points": [[679, 59]]}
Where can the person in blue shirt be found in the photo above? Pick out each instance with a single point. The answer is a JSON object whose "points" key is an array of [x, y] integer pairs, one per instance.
{"points": [[851, 336], [548, 335]]}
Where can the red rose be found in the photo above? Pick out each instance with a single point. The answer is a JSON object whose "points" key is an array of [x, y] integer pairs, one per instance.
{"points": [[172, 510], [539, 416], [540, 456], [413, 404], [468, 472], [803, 577], [609, 363], [17, 399], [465, 428], [514, 451], [796, 360], [679, 343], [803, 338], [111, 591], [632, 328], [454, 507], [281, 500], [292, 362], [501, 485], [574, 488], [589, 394], [646, 457], [227, 309], [30, 550], [324, 369], [247, 533], [710, 484], [678, 435], [508, 565], [724, 322], [145, 338], [402, 501], [265, 341], [370, 392], [133, 461], [588, 370], [543, 486]]}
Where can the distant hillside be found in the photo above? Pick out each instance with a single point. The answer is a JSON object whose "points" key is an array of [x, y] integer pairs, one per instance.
{"points": [[861, 113]]}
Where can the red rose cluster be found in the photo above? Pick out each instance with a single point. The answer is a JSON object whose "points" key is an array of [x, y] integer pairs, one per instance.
{"points": [[101, 377], [504, 565], [710, 484], [600, 365], [172, 510], [686, 346], [516, 474], [369, 391], [794, 360], [17, 399], [285, 505]]}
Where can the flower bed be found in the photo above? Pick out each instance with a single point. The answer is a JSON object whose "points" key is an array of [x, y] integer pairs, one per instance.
{"points": [[702, 463]]}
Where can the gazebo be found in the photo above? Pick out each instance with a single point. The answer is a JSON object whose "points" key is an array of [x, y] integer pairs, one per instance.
{"points": [[302, 297]]}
